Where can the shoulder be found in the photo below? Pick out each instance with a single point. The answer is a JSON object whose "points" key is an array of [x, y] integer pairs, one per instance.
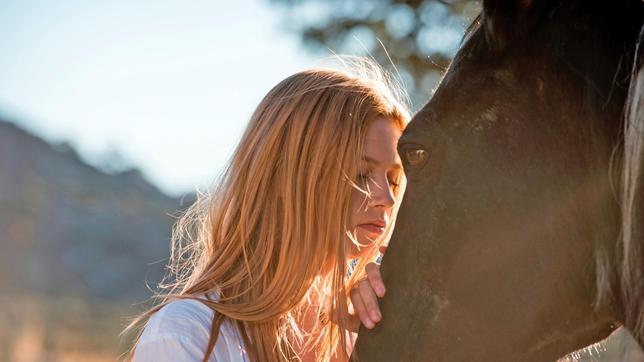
{"points": [[188, 316], [181, 331]]}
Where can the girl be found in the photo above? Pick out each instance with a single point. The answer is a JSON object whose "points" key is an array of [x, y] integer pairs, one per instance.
{"points": [[261, 266]]}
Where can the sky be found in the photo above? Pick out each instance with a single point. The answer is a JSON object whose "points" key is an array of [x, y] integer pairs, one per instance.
{"points": [[168, 85]]}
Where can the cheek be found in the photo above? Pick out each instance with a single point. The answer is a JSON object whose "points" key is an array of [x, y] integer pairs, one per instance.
{"points": [[357, 207]]}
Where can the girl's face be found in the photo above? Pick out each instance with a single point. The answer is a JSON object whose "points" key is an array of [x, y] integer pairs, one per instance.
{"points": [[379, 174]]}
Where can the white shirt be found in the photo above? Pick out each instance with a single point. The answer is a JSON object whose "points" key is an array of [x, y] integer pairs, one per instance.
{"points": [[180, 331]]}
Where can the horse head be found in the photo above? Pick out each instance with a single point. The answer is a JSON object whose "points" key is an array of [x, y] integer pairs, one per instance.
{"points": [[507, 241]]}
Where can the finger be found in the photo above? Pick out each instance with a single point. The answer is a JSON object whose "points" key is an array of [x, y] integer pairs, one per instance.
{"points": [[375, 279], [370, 301], [361, 310]]}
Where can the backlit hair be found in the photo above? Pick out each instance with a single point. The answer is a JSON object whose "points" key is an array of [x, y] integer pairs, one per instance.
{"points": [[278, 216]]}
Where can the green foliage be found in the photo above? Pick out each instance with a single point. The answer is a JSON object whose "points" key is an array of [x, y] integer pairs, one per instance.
{"points": [[420, 36]]}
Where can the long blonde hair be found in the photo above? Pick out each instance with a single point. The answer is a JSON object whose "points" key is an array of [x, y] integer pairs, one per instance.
{"points": [[278, 214]]}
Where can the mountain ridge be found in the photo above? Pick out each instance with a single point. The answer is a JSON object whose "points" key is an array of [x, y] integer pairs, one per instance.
{"points": [[69, 227]]}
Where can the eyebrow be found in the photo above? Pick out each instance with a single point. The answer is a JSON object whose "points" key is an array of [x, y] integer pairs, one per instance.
{"points": [[370, 160]]}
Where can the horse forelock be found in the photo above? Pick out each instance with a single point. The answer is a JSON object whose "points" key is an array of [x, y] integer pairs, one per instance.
{"points": [[506, 22]]}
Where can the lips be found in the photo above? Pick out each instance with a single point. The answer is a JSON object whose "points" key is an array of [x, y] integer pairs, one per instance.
{"points": [[374, 226]]}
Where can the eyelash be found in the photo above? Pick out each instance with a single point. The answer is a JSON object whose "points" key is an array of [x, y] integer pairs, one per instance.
{"points": [[365, 177]]}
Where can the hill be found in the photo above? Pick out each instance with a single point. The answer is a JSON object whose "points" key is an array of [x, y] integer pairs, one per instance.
{"points": [[76, 243]]}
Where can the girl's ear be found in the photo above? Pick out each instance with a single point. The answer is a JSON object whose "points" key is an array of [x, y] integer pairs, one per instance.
{"points": [[505, 20]]}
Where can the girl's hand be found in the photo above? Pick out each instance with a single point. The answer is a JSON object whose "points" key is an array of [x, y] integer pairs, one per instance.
{"points": [[364, 296]]}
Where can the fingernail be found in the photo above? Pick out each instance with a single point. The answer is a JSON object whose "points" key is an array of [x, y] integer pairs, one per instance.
{"points": [[369, 324], [375, 315], [381, 292]]}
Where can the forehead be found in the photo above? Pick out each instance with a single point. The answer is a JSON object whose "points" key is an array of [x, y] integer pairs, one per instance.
{"points": [[380, 141], [480, 86], [382, 129]]}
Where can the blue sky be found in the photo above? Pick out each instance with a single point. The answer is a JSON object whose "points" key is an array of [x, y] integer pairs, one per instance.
{"points": [[170, 85]]}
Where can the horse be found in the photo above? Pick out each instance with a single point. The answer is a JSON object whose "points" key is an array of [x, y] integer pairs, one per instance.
{"points": [[521, 233]]}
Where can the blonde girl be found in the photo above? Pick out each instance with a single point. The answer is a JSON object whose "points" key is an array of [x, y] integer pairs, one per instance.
{"points": [[261, 265]]}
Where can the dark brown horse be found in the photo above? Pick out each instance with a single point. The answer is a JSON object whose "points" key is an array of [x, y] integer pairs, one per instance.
{"points": [[521, 237]]}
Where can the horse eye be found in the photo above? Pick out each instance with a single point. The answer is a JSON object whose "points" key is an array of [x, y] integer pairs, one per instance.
{"points": [[416, 157]]}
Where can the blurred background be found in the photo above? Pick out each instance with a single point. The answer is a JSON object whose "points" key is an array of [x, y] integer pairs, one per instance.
{"points": [[112, 115]]}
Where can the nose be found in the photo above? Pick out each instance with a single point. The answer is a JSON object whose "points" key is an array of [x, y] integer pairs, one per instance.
{"points": [[380, 193]]}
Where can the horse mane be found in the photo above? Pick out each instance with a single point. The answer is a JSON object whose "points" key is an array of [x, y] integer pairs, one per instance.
{"points": [[631, 243]]}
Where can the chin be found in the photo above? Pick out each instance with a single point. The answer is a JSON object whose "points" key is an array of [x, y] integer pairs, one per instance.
{"points": [[369, 243]]}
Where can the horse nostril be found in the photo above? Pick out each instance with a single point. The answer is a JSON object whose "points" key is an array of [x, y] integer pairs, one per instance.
{"points": [[416, 157]]}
